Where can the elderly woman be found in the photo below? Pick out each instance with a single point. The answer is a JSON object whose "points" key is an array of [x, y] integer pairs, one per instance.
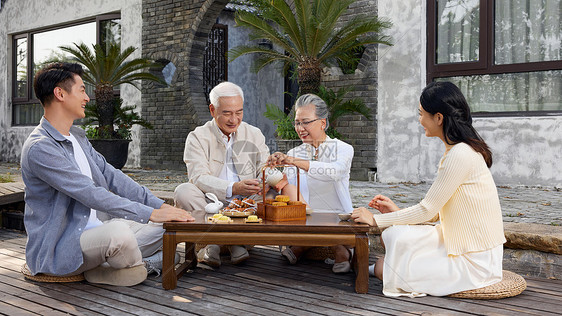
{"points": [[324, 164]]}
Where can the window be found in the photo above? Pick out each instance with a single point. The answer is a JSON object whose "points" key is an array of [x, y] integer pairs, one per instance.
{"points": [[33, 50], [505, 55]]}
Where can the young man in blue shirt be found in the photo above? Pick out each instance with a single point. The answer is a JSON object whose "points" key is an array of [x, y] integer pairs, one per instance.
{"points": [[70, 189]]}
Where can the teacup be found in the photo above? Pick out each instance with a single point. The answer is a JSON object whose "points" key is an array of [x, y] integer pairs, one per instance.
{"points": [[344, 216]]}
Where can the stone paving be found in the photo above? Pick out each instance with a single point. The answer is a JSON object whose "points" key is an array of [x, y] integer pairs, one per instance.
{"points": [[521, 204]]}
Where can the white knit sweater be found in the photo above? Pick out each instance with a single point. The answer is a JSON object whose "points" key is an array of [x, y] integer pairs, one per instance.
{"points": [[465, 196]]}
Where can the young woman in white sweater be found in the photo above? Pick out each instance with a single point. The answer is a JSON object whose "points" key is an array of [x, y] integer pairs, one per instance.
{"points": [[465, 250]]}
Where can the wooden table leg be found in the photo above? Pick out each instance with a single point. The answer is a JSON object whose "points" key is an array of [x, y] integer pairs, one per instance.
{"points": [[191, 255], [169, 280], [361, 263]]}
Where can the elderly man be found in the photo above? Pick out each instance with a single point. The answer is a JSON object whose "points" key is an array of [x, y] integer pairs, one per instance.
{"points": [[223, 157], [69, 187]]}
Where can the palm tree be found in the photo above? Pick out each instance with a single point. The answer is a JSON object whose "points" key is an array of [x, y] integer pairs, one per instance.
{"points": [[309, 35], [108, 67]]}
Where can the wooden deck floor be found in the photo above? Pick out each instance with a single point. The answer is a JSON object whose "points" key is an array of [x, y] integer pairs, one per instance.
{"points": [[264, 285], [11, 192]]}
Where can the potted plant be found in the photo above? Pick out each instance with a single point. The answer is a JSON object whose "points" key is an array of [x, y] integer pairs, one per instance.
{"points": [[107, 67], [115, 146], [309, 35]]}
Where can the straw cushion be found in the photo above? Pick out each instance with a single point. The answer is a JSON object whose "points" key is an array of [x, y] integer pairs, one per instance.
{"points": [[40, 277], [511, 285]]}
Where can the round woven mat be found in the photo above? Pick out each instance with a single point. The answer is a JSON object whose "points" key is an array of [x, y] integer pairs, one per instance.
{"points": [[40, 277], [511, 284]]}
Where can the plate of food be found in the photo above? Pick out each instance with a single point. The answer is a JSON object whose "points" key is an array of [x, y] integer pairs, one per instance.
{"points": [[238, 212], [220, 219], [244, 203]]}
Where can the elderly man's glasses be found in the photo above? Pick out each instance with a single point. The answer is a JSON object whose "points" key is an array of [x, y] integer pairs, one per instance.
{"points": [[304, 123]]}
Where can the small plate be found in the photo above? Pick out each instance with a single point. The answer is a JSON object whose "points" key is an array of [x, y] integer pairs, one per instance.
{"points": [[216, 221], [259, 220]]}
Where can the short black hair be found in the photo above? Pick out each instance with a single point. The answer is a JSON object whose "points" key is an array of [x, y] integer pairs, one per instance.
{"points": [[52, 76]]}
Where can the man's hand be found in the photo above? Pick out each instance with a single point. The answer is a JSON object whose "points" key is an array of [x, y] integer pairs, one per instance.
{"points": [[168, 213], [246, 187], [362, 215]]}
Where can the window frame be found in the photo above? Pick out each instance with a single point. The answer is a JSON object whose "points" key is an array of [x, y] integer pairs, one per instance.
{"points": [[25, 99], [28, 99], [485, 65]]}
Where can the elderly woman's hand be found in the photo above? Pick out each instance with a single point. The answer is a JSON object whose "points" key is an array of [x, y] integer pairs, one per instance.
{"points": [[279, 158], [362, 215]]}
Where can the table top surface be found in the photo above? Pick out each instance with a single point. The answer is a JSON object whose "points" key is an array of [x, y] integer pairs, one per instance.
{"points": [[314, 223]]}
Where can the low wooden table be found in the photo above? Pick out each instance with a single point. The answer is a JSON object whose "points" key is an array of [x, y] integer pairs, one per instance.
{"points": [[319, 229]]}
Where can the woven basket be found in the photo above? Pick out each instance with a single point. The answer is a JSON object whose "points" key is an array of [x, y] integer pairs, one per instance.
{"points": [[40, 277], [511, 285], [281, 213]]}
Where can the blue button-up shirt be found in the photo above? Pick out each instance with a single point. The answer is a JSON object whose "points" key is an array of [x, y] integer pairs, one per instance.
{"points": [[58, 198]]}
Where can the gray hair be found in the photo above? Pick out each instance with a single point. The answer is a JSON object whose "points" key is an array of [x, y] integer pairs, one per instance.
{"points": [[225, 89], [321, 108]]}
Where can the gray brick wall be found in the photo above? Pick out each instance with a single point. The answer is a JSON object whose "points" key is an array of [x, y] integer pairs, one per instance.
{"points": [[174, 30]]}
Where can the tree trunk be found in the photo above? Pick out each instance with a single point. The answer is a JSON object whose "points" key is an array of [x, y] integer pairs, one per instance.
{"points": [[105, 105], [309, 75]]}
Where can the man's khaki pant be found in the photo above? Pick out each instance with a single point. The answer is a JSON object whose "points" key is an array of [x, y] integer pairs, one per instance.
{"points": [[189, 197], [119, 242]]}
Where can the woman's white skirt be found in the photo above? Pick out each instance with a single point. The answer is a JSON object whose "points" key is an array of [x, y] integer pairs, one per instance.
{"points": [[416, 263]]}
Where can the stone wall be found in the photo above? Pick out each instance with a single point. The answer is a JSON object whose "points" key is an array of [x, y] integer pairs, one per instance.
{"points": [[169, 32], [176, 31], [356, 129]]}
